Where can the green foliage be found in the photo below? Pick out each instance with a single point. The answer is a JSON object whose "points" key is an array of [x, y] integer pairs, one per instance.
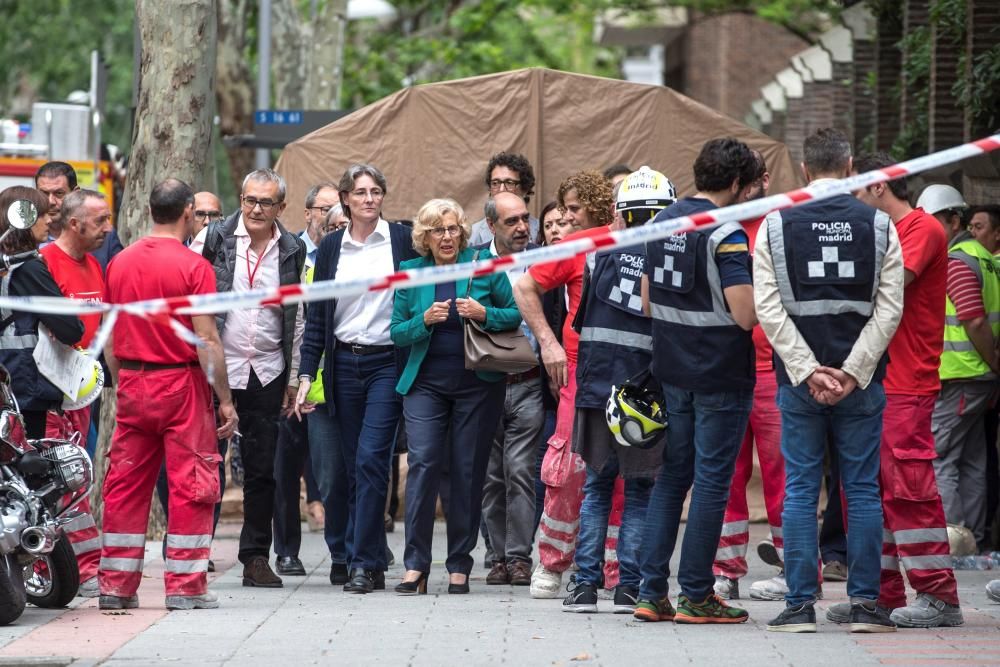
{"points": [[915, 82], [45, 49], [438, 40]]}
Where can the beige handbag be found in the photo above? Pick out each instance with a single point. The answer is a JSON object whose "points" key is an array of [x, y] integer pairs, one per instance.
{"points": [[499, 351]]}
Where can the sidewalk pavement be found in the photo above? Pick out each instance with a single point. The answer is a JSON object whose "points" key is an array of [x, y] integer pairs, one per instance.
{"points": [[310, 622]]}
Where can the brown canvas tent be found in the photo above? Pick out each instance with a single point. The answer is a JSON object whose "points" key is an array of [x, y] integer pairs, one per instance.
{"points": [[434, 140]]}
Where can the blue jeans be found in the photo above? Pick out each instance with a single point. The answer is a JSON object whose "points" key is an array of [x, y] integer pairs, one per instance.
{"points": [[594, 513], [368, 409], [854, 429], [326, 450], [704, 434]]}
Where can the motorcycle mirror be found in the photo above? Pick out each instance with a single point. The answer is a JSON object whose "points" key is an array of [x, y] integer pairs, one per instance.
{"points": [[22, 214]]}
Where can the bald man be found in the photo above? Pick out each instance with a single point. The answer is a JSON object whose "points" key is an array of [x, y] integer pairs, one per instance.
{"points": [[207, 208]]}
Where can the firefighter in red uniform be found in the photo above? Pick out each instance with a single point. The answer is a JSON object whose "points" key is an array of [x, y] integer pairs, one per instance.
{"points": [[86, 220], [915, 535], [164, 411]]}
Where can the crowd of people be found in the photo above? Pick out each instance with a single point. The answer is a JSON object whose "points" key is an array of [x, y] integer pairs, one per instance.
{"points": [[851, 342]]}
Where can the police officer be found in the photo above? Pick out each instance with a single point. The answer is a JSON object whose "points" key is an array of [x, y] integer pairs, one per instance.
{"points": [[615, 345], [697, 287], [828, 284]]}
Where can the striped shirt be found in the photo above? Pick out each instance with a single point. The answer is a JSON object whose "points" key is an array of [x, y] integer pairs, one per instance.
{"points": [[964, 290]]}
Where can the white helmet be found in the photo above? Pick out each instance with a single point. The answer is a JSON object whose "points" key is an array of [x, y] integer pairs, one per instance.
{"points": [[936, 198], [646, 188], [91, 385]]}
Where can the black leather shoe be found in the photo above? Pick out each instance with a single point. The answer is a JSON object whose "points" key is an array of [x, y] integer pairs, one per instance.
{"points": [[365, 581], [290, 566], [338, 574]]}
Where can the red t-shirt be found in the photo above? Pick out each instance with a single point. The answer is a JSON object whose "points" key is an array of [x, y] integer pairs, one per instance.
{"points": [[915, 350], [154, 268], [568, 272], [762, 347], [77, 279]]}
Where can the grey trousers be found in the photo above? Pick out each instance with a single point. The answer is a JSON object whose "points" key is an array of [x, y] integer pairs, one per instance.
{"points": [[509, 494], [960, 441]]}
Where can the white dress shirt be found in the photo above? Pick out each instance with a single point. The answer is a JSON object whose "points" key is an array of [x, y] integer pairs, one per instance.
{"points": [[251, 338], [513, 274], [364, 318]]}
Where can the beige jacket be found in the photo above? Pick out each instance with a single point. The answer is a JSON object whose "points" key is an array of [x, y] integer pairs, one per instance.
{"points": [[799, 360]]}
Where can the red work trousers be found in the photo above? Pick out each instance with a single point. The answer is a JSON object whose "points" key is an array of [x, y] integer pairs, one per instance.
{"points": [[82, 531], [161, 414], [764, 431], [564, 473], [915, 533]]}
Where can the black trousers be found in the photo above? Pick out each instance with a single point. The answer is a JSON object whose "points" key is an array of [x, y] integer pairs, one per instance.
{"points": [[258, 408], [470, 409], [291, 462]]}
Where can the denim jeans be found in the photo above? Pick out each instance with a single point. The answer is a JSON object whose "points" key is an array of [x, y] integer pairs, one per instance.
{"points": [[854, 429], [704, 434], [326, 450], [594, 513], [368, 409]]}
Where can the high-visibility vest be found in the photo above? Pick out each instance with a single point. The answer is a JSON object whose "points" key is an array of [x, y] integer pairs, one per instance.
{"points": [[959, 359]]}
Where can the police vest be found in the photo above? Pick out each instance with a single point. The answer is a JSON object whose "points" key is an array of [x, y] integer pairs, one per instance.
{"points": [[17, 343], [827, 261], [615, 339], [697, 344], [959, 358]]}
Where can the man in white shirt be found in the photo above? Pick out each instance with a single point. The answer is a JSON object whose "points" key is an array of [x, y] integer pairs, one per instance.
{"points": [[506, 172], [251, 250]]}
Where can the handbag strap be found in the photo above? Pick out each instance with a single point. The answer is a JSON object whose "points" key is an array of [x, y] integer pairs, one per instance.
{"points": [[468, 290]]}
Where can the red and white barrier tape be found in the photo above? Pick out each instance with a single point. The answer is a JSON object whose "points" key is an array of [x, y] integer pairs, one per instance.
{"points": [[162, 309]]}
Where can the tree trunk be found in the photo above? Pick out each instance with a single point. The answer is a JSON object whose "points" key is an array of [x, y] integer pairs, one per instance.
{"points": [[172, 132], [290, 37], [326, 57], [234, 93]]}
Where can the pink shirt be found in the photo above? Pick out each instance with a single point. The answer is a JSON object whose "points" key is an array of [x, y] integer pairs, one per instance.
{"points": [[251, 338]]}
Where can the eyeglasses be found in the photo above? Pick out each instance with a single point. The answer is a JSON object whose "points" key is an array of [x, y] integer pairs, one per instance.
{"points": [[250, 203], [513, 220], [441, 232], [506, 184], [374, 193], [211, 216], [322, 209]]}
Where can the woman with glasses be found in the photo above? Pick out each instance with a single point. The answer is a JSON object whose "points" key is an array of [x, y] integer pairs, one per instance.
{"points": [[360, 369], [451, 413]]}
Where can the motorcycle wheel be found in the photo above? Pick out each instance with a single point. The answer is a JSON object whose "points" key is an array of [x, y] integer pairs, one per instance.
{"points": [[12, 595], [52, 580]]}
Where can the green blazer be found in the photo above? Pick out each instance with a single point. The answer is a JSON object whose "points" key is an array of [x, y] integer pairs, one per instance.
{"points": [[407, 328]]}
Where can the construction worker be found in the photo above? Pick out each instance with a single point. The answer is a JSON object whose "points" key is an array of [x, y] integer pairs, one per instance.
{"points": [[615, 345], [147, 359], [915, 534], [969, 366]]}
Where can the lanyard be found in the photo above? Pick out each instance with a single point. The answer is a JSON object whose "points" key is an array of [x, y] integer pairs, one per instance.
{"points": [[253, 272]]}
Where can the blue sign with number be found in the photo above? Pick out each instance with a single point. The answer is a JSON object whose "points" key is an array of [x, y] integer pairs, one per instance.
{"points": [[278, 117]]}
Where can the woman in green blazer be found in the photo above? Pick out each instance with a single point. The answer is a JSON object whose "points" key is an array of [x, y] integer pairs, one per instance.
{"points": [[451, 413]]}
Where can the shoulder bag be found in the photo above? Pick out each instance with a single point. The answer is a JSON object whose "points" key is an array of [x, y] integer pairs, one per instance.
{"points": [[498, 351]]}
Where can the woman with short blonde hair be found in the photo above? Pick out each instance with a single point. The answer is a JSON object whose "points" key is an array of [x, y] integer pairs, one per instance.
{"points": [[451, 413]]}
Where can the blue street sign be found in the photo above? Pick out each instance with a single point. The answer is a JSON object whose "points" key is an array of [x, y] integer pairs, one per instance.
{"points": [[278, 117]]}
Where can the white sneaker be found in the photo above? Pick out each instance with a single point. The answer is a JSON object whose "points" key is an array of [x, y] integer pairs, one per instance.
{"points": [[993, 590], [545, 584], [88, 588], [726, 588], [774, 588]]}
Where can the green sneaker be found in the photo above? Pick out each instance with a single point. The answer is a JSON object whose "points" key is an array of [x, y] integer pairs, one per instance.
{"points": [[712, 610], [653, 611]]}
